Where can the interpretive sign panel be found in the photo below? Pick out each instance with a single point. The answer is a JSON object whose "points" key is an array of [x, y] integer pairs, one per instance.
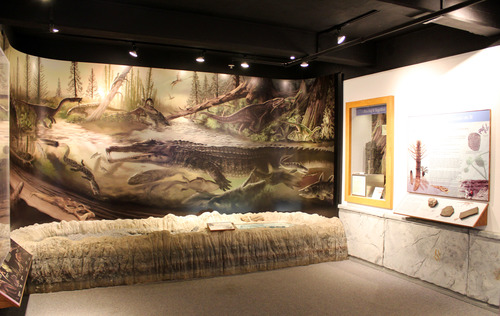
{"points": [[449, 155], [219, 226], [13, 275]]}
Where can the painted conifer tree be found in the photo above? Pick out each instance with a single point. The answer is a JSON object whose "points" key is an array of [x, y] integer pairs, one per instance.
{"points": [[92, 85], [27, 78], [194, 98], [58, 90], [75, 81], [39, 83], [214, 86], [17, 79], [149, 86], [205, 93]]}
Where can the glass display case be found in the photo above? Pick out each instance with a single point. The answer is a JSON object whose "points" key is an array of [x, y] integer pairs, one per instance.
{"points": [[4, 157], [369, 152]]}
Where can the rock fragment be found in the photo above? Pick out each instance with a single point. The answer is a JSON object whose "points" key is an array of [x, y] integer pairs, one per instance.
{"points": [[447, 211], [469, 212]]}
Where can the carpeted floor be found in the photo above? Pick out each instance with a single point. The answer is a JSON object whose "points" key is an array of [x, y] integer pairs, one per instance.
{"points": [[347, 287]]}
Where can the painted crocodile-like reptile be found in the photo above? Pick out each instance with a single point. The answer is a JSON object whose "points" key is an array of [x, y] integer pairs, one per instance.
{"points": [[218, 161], [256, 116]]}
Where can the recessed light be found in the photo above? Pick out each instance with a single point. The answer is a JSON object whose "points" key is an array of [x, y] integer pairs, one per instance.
{"points": [[133, 51], [340, 39], [53, 29], [201, 58]]}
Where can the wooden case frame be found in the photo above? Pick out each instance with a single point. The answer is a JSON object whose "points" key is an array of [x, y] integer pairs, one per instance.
{"points": [[387, 201]]}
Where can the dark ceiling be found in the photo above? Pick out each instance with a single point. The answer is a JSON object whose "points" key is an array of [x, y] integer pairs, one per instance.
{"points": [[381, 34]]}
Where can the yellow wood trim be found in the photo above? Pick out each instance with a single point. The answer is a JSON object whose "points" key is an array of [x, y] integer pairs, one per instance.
{"points": [[389, 173]]}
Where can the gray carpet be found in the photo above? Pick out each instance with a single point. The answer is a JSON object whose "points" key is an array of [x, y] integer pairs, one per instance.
{"points": [[334, 288]]}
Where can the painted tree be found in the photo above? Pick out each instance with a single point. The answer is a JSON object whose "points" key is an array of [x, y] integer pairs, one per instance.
{"points": [[115, 87], [39, 83], [75, 81], [149, 86], [320, 96], [194, 98], [107, 71], [205, 95], [92, 85], [59, 90], [214, 86], [27, 78], [128, 90], [4, 82], [17, 88], [134, 90], [139, 87], [225, 85]]}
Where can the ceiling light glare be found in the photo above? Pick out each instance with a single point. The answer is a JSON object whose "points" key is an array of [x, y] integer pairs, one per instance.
{"points": [[245, 64], [292, 57], [53, 29], [340, 39], [304, 64], [133, 51], [201, 58]]}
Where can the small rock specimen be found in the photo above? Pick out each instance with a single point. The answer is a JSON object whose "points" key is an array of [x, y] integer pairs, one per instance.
{"points": [[470, 212], [447, 211], [432, 202]]}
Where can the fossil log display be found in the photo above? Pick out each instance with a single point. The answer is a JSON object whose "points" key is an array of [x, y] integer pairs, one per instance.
{"points": [[77, 255]]}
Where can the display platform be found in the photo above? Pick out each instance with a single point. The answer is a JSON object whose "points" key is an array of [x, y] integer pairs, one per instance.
{"points": [[465, 213], [77, 255]]}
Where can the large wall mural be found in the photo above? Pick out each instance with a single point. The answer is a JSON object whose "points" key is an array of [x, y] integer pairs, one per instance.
{"points": [[95, 141]]}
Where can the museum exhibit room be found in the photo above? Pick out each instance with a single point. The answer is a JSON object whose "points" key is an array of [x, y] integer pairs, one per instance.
{"points": [[191, 157]]}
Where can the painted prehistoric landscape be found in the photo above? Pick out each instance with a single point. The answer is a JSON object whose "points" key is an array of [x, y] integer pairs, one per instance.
{"points": [[94, 141]]}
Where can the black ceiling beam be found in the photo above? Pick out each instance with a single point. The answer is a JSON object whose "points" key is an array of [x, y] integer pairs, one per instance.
{"points": [[112, 21], [388, 32], [341, 25]]}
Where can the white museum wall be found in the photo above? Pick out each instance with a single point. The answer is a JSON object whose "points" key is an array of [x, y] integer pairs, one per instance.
{"points": [[464, 260], [465, 82]]}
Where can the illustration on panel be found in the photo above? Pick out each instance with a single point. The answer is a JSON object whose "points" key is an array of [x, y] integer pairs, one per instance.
{"points": [[450, 156], [92, 141]]}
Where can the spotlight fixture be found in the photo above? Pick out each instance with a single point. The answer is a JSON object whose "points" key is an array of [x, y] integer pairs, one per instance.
{"points": [[133, 51], [245, 64], [292, 57], [304, 64], [201, 58], [340, 37], [52, 28]]}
